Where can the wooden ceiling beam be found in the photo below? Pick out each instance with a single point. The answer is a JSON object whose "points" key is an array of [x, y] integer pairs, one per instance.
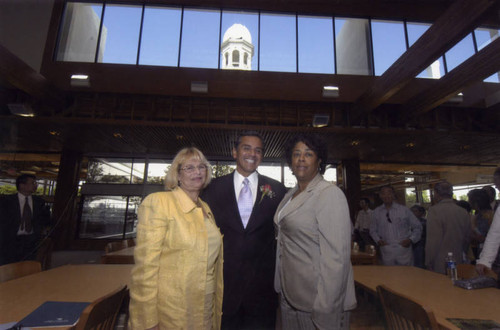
{"points": [[476, 68], [23, 77], [458, 20]]}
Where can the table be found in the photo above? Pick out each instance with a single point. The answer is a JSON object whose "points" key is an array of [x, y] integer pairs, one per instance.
{"points": [[81, 283], [123, 256], [434, 291], [363, 258]]}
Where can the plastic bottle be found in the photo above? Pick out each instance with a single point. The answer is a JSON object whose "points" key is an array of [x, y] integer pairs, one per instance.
{"points": [[451, 267], [355, 247]]}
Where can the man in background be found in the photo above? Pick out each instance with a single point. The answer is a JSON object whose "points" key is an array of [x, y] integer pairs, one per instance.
{"points": [[448, 229], [23, 218], [362, 225], [243, 204], [394, 228]]}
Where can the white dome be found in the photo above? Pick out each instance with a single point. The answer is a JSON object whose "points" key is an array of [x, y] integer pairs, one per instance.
{"points": [[237, 31]]}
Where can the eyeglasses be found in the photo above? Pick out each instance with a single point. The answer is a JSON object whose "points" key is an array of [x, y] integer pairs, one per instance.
{"points": [[190, 169], [388, 218]]}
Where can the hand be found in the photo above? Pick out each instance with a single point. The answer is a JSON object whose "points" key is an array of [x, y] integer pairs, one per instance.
{"points": [[381, 243], [405, 243], [481, 269]]}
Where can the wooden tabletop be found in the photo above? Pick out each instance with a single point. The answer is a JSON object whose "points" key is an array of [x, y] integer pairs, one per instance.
{"points": [[434, 291], [123, 256], [363, 258], [80, 283]]}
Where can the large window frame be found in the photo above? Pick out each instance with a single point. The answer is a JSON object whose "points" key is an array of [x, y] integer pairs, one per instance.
{"points": [[259, 60]]}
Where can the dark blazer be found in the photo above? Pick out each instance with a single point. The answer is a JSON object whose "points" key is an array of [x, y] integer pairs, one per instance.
{"points": [[10, 220], [249, 253]]}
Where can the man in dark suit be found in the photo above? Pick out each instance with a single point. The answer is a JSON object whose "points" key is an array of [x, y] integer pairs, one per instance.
{"points": [[250, 301], [23, 217]]}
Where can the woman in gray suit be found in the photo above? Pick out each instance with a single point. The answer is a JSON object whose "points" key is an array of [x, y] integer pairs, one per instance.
{"points": [[313, 267]]}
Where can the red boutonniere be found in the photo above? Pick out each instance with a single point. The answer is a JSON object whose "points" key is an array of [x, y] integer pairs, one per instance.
{"points": [[266, 191]]}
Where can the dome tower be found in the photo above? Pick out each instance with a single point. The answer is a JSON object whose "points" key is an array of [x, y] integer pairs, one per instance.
{"points": [[237, 48]]}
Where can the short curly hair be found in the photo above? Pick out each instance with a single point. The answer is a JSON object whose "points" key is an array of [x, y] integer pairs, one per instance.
{"points": [[314, 142]]}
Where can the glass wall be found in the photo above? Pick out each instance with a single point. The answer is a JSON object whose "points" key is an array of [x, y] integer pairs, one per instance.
{"points": [[115, 187], [246, 40]]}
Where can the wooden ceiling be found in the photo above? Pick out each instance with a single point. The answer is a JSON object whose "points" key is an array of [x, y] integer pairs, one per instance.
{"points": [[391, 119]]}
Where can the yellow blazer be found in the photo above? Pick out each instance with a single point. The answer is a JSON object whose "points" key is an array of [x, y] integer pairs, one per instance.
{"points": [[169, 277]]}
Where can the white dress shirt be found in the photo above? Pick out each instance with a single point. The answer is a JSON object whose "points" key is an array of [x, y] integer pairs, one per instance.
{"points": [[253, 180], [492, 242], [22, 200]]}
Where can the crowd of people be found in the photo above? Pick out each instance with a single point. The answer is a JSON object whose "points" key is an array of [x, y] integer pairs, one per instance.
{"points": [[405, 236]]}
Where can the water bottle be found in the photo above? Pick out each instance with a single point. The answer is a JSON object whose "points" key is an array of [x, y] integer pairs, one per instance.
{"points": [[451, 267], [355, 247]]}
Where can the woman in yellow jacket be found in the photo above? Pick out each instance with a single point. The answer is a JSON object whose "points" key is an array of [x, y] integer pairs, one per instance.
{"points": [[177, 278]]}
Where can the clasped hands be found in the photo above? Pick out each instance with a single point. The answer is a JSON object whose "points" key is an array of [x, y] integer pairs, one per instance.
{"points": [[404, 243]]}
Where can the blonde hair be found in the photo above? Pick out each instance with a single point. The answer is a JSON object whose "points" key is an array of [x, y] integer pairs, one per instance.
{"points": [[172, 178]]}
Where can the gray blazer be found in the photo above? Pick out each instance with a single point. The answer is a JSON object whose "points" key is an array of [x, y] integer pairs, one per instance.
{"points": [[313, 265]]}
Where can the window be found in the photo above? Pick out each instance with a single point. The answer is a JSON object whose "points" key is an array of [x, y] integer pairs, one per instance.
{"points": [[200, 38], [79, 32], [436, 69], [485, 36], [109, 216], [236, 58], [459, 53], [278, 43], [157, 170], [389, 43], [116, 171], [250, 21], [160, 36], [352, 44], [120, 34], [316, 54]]}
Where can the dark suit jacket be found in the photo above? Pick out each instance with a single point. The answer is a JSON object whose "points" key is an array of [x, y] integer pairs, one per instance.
{"points": [[249, 253], [10, 219]]}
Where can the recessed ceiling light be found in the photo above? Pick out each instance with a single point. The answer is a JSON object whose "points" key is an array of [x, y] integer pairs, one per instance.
{"points": [[118, 135], [410, 145], [330, 91], [80, 80], [199, 87]]}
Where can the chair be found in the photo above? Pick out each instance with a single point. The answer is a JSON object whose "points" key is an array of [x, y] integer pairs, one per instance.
{"points": [[19, 269], [115, 246], [403, 312], [465, 271], [44, 254], [102, 313]]}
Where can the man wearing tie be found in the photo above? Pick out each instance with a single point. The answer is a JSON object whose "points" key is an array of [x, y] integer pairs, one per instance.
{"points": [[22, 219], [243, 204]]}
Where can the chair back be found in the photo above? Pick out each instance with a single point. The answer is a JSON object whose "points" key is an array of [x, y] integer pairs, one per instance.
{"points": [[44, 254], [115, 246], [466, 271], [19, 269], [102, 313], [403, 312]]}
